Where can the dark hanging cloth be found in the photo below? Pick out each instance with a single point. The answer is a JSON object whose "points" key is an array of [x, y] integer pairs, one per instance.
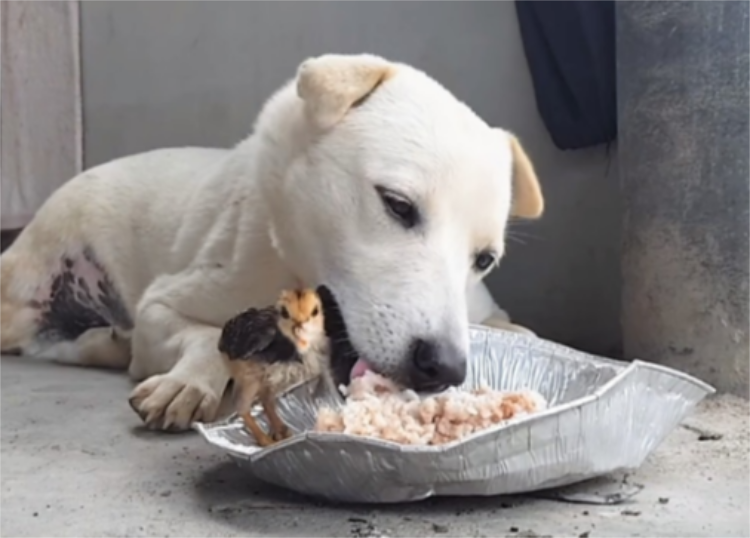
{"points": [[570, 50]]}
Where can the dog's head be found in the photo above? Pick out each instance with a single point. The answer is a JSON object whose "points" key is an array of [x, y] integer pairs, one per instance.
{"points": [[396, 196]]}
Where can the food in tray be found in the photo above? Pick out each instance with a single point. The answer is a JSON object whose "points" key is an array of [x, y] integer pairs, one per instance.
{"points": [[376, 407]]}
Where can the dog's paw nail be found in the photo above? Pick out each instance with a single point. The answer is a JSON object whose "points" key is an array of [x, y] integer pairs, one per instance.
{"points": [[168, 403]]}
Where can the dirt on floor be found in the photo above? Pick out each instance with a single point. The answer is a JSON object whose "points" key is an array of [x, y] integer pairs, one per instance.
{"points": [[75, 462]]}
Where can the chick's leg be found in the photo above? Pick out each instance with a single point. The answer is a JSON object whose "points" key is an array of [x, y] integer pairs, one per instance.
{"points": [[261, 437], [247, 390], [279, 430]]}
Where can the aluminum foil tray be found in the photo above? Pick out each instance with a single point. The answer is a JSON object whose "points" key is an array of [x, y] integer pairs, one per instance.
{"points": [[603, 416]]}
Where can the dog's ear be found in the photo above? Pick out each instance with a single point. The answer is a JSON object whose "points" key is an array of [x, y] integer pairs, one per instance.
{"points": [[332, 84], [528, 202]]}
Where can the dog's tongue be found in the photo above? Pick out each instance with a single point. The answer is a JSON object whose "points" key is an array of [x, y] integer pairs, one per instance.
{"points": [[359, 369]]}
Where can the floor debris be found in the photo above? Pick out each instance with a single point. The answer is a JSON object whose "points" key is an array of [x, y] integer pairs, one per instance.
{"points": [[704, 434], [116, 490], [630, 513], [607, 490]]}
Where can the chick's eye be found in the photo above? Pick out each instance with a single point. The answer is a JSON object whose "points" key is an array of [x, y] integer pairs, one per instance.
{"points": [[484, 261], [399, 207], [315, 311], [284, 312]]}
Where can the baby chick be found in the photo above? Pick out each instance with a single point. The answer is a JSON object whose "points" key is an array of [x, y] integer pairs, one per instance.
{"points": [[269, 350]]}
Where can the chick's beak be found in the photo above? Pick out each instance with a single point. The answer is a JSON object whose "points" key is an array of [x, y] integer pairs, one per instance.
{"points": [[297, 332]]}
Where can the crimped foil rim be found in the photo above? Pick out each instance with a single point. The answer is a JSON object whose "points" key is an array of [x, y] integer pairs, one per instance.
{"points": [[625, 369]]}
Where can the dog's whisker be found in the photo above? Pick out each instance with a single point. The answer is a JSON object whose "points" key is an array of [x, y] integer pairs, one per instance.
{"points": [[517, 240], [520, 237], [521, 233]]}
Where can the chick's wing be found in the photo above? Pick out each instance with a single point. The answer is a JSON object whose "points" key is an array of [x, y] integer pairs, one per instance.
{"points": [[248, 333]]}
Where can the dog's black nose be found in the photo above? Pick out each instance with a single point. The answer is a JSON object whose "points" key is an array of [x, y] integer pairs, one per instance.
{"points": [[436, 365]]}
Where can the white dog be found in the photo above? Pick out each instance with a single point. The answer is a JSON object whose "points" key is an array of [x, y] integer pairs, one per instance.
{"points": [[362, 174]]}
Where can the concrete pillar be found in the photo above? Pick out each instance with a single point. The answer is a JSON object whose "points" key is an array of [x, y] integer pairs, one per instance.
{"points": [[683, 148]]}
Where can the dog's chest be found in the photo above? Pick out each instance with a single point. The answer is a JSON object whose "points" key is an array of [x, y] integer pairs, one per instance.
{"points": [[231, 290]]}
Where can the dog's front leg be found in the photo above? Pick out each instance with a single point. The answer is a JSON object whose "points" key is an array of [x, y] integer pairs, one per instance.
{"points": [[184, 375]]}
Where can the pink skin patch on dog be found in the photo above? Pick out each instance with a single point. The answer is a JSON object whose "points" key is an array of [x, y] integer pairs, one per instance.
{"points": [[78, 296]]}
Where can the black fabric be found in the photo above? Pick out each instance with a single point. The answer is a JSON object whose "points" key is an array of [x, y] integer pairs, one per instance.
{"points": [[570, 49]]}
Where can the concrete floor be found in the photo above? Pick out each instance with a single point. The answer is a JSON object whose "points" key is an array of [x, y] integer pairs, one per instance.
{"points": [[76, 463]]}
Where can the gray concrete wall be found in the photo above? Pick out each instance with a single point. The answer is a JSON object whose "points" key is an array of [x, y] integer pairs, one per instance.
{"points": [[175, 73], [684, 120]]}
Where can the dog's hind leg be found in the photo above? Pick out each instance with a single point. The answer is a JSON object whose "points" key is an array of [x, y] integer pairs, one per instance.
{"points": [[103, 347], [99, 347], [485, 311], [19, 318], [61, 307], [501, 322]]}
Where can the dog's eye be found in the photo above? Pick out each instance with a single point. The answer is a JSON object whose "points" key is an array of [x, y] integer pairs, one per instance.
{"points": [[483, 260], [315, 311], [399, 207], [284, 312]]}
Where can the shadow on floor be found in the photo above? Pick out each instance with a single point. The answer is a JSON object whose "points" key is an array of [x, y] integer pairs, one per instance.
{"points": [[234, 497]]}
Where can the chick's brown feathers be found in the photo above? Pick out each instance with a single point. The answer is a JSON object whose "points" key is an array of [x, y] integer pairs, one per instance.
{"points": [[252, 329], [255, 335]]}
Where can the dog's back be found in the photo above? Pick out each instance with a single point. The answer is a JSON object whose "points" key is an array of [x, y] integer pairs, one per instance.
{"points": [[64, 273]]}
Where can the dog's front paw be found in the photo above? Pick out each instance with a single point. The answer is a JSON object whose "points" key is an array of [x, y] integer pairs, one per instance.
{"points": [[166, 402]]}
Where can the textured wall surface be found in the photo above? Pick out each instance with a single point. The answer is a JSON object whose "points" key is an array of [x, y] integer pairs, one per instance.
{"points": [[174, 73], [683, 109]]}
